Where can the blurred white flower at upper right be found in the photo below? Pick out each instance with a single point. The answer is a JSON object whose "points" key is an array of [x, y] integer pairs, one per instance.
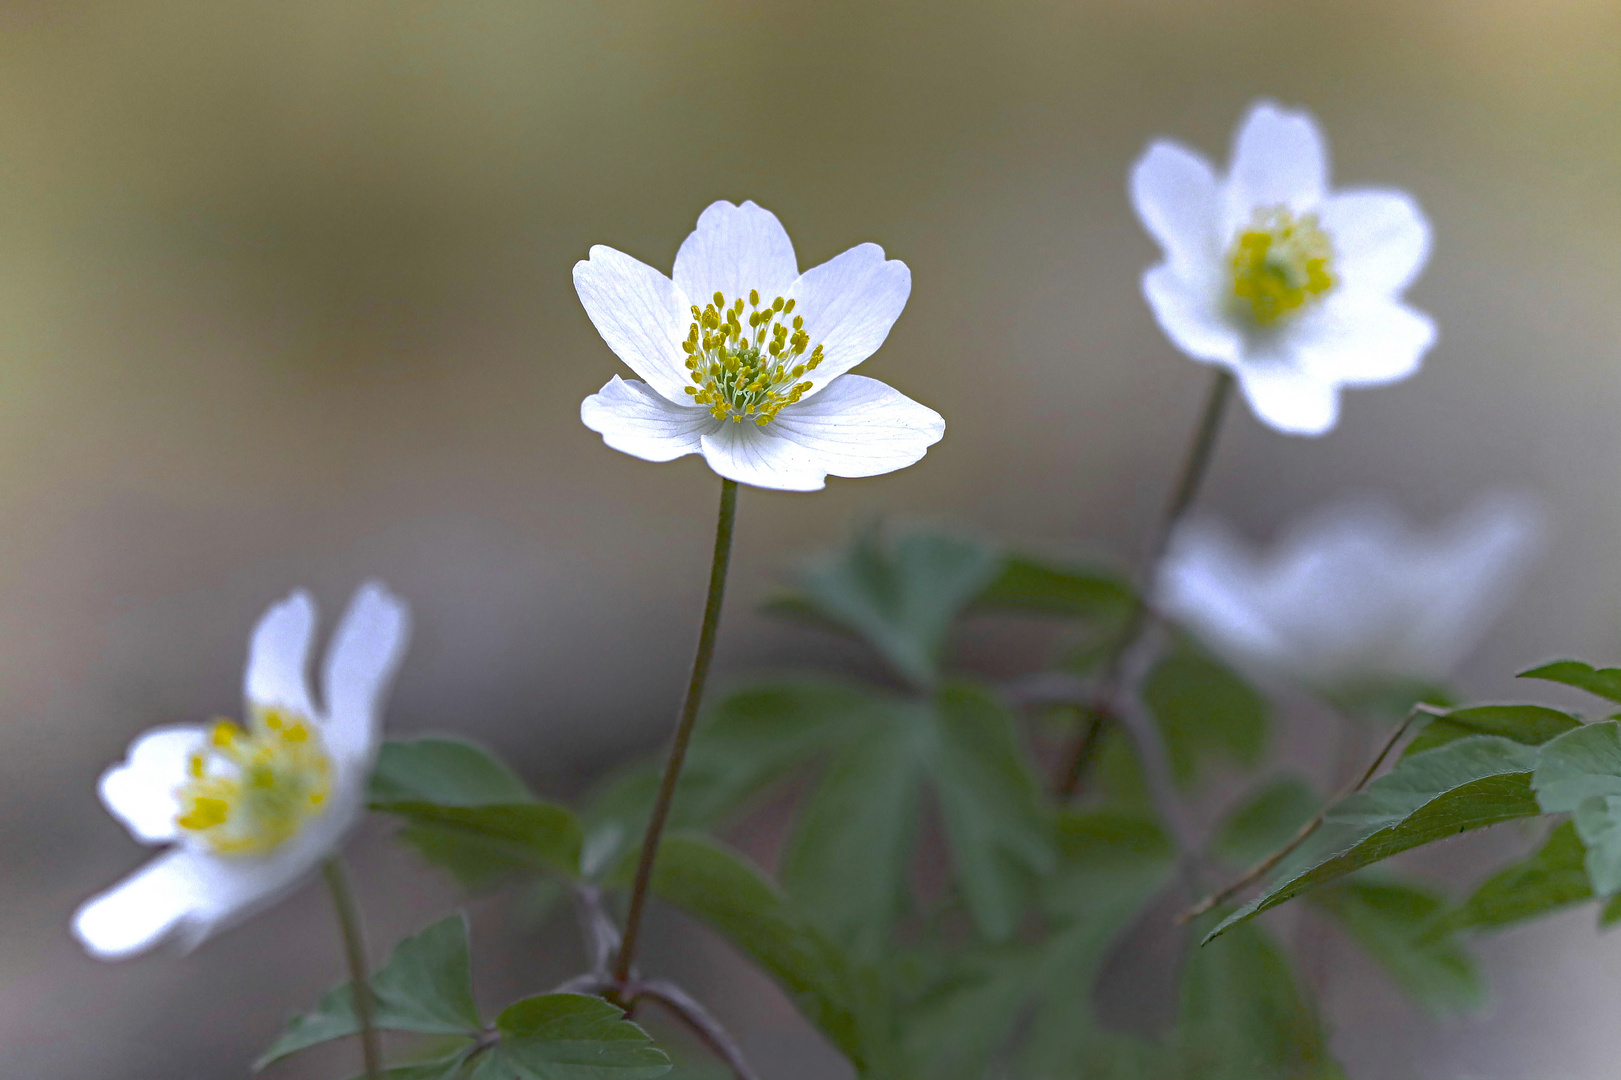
{"points": [[1293, 287], [1352, 595]]}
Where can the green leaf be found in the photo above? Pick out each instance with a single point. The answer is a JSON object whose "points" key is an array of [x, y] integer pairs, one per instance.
{"points": [[1467, 784], [1552, 877], [900, 598], [1532, 725], [499, 838], [450, 772], [439, 1068], [569, 1037], [1388, 698], [1605, 682], [1029, 584], [723, 890], [1204, 709], [425, 987], [1579, 773], [1265, 821], [1398, 924]]}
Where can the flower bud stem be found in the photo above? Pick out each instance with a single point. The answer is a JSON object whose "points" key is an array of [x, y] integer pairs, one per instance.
{"points": [[354, 948], [683, 730]]}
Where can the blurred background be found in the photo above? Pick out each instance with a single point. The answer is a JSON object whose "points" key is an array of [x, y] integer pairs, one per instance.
{"points": [[285, 299]]}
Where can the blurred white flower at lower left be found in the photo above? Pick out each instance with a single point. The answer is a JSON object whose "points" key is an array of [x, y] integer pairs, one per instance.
{"points": [[248, 809]]}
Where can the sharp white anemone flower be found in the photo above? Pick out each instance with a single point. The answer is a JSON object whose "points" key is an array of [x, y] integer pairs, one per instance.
{"points": [[1351, 594], [249, 809], [1294, 288], [745, 359]]}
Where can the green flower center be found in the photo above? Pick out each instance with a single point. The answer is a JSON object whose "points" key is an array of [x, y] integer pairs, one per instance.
{"points": [[752, 372], [1281, 263], [252, 789]]}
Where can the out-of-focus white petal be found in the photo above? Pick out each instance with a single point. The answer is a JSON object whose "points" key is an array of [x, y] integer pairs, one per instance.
{"points": [[849, 303], [1285, 398], [632, 419], [640, 313], [1356, 341], [735, 249], [1279, 159], [1191, 317], [1381, 239], [143, 909], [365, 652], [860, 427], [750, 454], [140, 790], [279, 656], [1176, 195]]}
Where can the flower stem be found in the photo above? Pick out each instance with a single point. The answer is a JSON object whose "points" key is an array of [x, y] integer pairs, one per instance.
{"points": [[354, 948], [1195, 464], [683, 729]]}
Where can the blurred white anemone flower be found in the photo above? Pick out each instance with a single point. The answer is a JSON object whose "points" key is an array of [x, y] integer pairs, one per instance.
{"points": [[249, 809], [745, 358], [1294, 288], [1352, 594]]}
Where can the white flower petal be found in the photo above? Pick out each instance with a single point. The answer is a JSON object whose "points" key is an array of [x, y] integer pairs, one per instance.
{"points": [[143, 909], [849, 303], [279, 656], [735, 249], [1279, 159], [860, 427], [1355, 341], [140, 790], [634, 420], [1189, 314], [750, 454], [640, 313], [1178, 200], [1288, 399], [1381, 239], [365, 652]]}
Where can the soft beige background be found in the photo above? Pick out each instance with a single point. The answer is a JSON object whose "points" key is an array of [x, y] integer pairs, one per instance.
{"points": [[285, 298]]}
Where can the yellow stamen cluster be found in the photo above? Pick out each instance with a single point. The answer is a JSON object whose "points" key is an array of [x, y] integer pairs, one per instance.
{"points": [[252, 789], [756, 371], [1281, 263]]}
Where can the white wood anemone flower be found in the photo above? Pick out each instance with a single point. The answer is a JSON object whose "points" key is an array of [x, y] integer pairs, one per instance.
{"points": [[247, 810], [1294, 288], [1351, 594], [745, 360]]}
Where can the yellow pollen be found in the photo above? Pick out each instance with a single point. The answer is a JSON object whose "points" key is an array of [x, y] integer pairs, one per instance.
{"points": [[750, 371], [1281, 263], [250, 790]]}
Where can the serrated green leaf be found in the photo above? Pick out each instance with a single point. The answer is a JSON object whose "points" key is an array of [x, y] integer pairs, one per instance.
{"points": [[449, 772], [439, 1068], [1468, 784], [1398, 924], [900, 598], [1532, 725], [1204, 708], [1579, 773], [1029, 584], [532, 835], [1552, 877], [569, 1037], [1604, 682], [847, 861], [1265, 821], [425, 987]]}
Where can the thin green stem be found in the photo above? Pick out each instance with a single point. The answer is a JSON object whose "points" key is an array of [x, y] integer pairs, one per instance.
{"points": [[354, 948], [683, 729]]}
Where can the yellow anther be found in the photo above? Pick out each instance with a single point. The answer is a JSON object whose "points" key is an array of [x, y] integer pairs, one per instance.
{"points": [[1280, 263], [271, 777]]}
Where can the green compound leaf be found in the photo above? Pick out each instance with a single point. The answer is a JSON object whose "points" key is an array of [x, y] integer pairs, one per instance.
{"points": [[529, 835], [1579, 773], [1398, 924], [1027, 584], [1470, 783], [1552, 877], [1265, 821], [439, 1068], [450, 772], [569, 1037], [900, 598], [1605, 682], [426, 987], [1204, 709], [1532, 725]]}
